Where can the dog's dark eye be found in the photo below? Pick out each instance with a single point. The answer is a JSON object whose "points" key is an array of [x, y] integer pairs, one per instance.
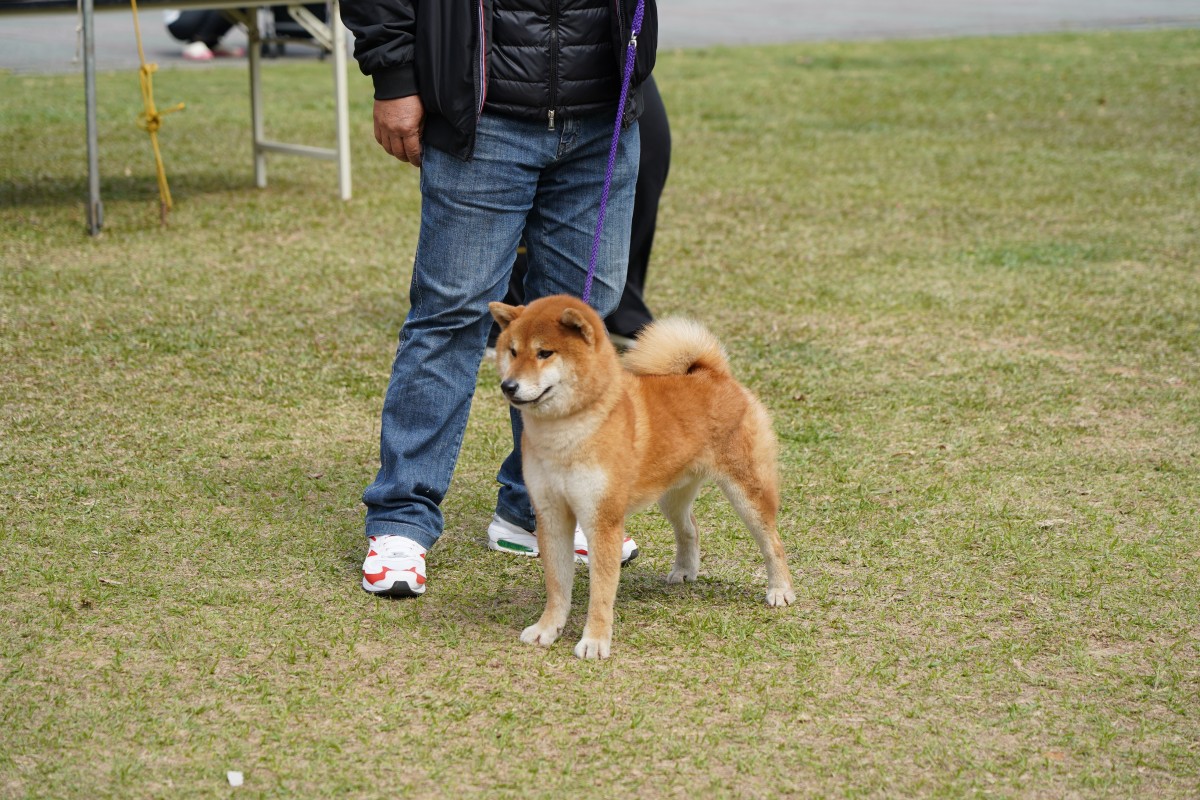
{"points": [[512, 351], [544, 354]]}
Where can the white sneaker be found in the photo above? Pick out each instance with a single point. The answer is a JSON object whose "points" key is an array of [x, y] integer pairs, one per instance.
{"points": [[197, 51], [394, 566], [622, 342], [505, 537]]}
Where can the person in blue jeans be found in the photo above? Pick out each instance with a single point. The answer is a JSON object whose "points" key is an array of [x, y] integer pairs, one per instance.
{"points": [[507, 107], [632, 313]]}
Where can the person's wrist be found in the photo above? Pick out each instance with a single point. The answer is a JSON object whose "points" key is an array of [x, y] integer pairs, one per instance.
{"points": [[394, 83]]}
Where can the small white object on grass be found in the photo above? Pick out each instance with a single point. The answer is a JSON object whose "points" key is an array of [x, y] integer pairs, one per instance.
{"points": [[235, 778]]}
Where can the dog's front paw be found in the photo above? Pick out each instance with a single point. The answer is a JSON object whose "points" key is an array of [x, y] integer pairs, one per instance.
{"points": [[540, 634], [681, 574], [780, 597], [593, 648]]}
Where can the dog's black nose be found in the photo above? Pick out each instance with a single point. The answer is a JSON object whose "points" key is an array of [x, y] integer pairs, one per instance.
{"points": [[509, 387]]}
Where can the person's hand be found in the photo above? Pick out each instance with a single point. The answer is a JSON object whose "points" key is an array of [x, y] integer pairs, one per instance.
{"points": [[398, 126]]}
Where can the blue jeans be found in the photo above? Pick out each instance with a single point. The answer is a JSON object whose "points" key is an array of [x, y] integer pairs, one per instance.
{"points": [[523, 178]]}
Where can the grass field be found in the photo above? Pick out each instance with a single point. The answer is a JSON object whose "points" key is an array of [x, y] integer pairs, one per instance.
{"points": [[962, 274]]}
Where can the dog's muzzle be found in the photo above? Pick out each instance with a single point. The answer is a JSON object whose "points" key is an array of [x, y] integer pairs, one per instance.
{"points": [[512, 391]]}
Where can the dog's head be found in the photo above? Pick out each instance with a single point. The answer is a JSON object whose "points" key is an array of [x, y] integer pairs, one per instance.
{"points": [[552, 355]]}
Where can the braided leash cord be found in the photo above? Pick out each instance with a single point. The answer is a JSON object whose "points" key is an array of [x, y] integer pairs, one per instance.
{"points": [[630, 56], [150, 120]]}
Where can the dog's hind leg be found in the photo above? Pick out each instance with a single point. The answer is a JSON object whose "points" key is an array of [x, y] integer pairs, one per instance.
{"points": [[756, 502], [751, 483], [676, 506], [556, 537], [750, 479]]}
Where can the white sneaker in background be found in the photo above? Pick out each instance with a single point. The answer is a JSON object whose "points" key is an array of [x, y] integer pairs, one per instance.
{"points": [[505, 537]]}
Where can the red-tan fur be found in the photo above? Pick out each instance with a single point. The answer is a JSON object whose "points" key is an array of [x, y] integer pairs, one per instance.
{"points": [[603, 440]]}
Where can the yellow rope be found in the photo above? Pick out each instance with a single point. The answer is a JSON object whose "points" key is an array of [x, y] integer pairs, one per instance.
{"points": [[150, 120]]}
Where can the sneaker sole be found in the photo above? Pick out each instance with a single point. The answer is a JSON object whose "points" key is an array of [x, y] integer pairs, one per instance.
{"points": [[398, 589], [527, 546], [634, 553], [513, 548]]}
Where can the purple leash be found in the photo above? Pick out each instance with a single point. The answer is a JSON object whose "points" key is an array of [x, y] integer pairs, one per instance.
{"points": [[630, 55]]}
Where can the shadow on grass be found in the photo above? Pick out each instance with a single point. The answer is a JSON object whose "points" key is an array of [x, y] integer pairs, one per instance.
{"points": [[70, 192], [641, 584], [477, 596]]}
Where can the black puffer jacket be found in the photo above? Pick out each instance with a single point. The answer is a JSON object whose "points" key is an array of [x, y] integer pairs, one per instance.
{"points": [[551, 59], [443, 50]]}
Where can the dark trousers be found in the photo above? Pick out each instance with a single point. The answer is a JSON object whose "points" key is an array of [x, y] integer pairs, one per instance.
{"points": [[632, 313], [206, 26]]}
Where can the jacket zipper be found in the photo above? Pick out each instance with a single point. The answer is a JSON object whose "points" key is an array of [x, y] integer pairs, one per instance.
{"points": [[553, 60], [482, 62], [620, 23], [624, 42]]}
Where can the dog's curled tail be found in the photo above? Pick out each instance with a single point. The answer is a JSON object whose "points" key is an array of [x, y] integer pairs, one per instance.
{"points": [[676, 346]]}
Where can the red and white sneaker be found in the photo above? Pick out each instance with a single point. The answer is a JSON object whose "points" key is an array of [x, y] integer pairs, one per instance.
{"points": [[505, 537], [629, 548], [394, 567]]}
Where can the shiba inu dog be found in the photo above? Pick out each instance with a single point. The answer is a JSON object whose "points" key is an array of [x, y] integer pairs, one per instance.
{"points": [[603, 440]]}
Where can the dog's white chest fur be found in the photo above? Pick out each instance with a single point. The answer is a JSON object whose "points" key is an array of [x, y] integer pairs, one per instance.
{"points": [[578, 486]]}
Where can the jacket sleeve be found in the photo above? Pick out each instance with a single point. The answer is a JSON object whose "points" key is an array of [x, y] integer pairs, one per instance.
{"points": [[384, 43]]}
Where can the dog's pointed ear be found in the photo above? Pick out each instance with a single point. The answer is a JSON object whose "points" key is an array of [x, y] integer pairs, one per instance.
{"points": [[505, 314], [576, 321]]}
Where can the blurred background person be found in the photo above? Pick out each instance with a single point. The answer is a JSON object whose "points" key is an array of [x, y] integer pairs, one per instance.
{"points": [[201, 31]]}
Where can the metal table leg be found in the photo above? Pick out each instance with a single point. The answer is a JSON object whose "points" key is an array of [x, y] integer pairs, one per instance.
{"points": [[95, 210]]}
